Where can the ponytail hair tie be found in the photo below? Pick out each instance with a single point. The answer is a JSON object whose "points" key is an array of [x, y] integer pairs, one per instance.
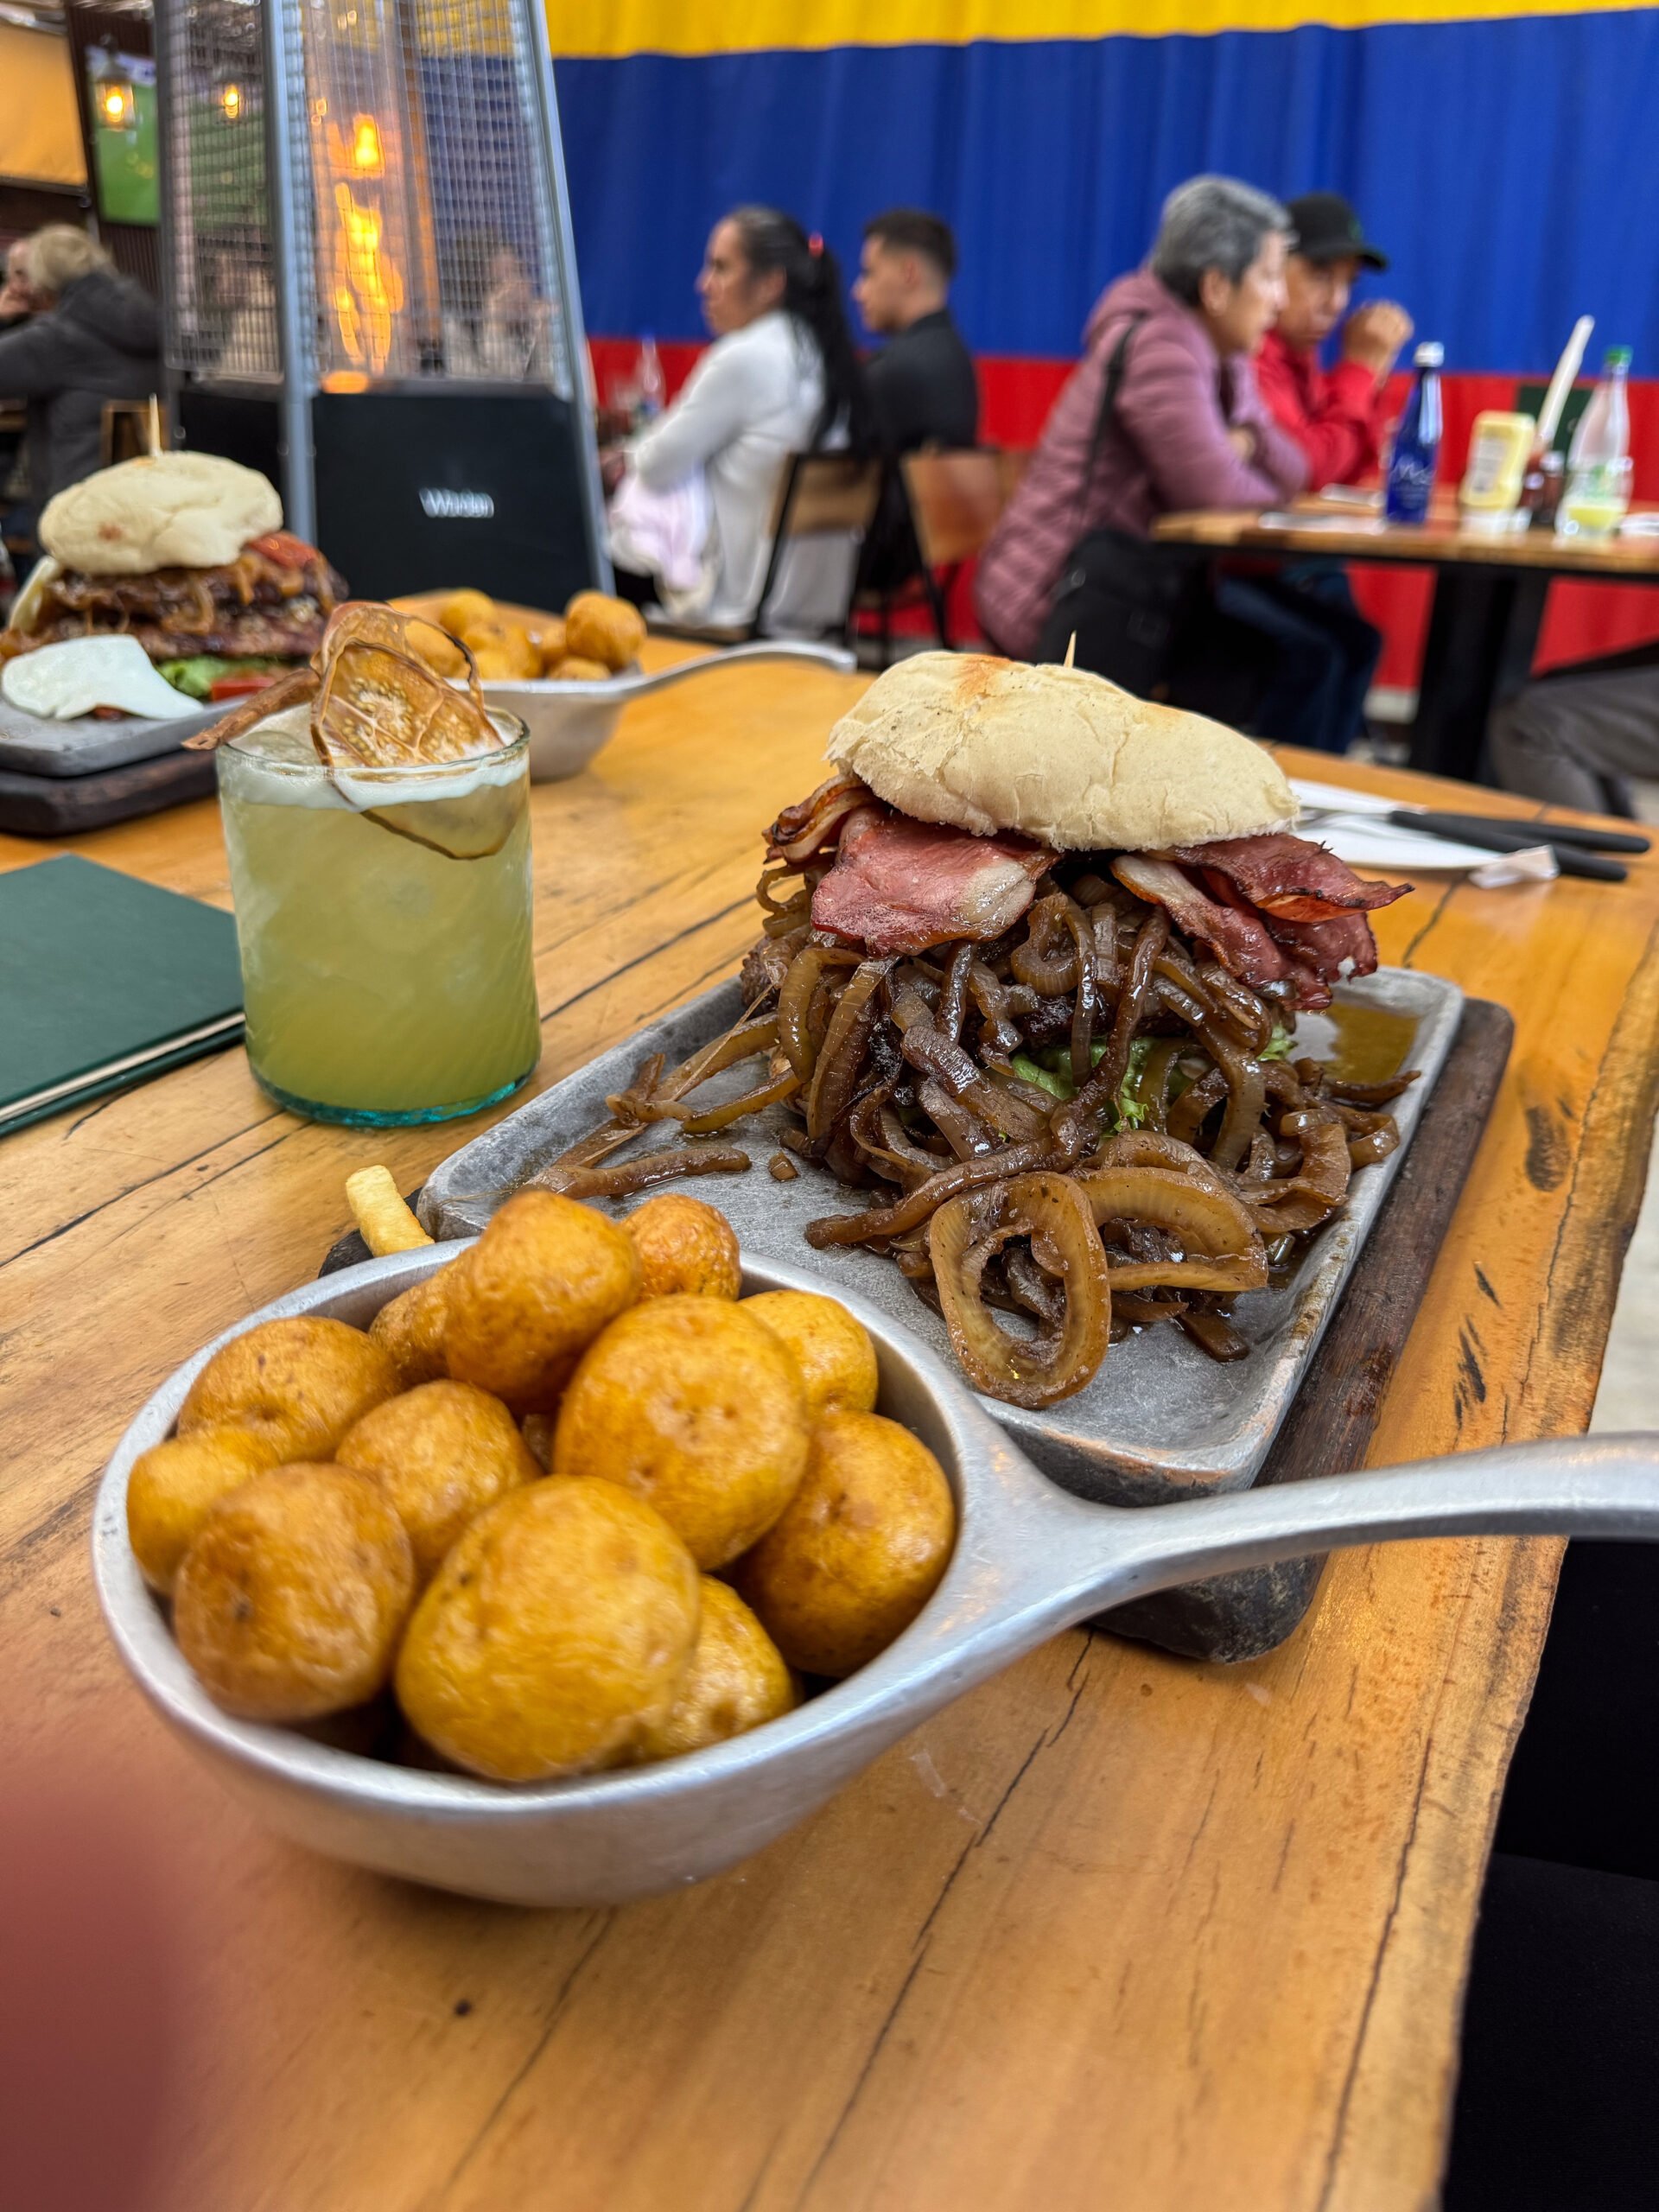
{"points": [[815, 245]]}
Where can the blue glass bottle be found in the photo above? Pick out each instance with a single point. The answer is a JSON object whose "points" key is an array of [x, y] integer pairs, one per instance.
{"points": [[1417, 441]]}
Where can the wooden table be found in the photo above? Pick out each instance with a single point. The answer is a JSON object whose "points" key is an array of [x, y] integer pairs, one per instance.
{"points": [[1115, 1930], [1488, 600]]}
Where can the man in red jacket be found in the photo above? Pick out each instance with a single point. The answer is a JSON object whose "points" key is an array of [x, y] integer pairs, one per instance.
{"points": [[1336, 415]]}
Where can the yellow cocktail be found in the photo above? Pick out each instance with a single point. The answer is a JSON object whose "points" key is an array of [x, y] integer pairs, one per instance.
{"points": [[384, 917]]}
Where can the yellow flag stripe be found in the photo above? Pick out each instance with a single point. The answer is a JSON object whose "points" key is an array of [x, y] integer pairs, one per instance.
{"points": [[694, 27]]}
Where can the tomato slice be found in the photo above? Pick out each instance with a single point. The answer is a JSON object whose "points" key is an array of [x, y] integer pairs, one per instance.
{"points": [[241, 686], [283, 547]]}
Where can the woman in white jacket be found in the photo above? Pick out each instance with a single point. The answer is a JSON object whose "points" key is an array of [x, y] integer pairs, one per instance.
{"points": [[691, 524]]}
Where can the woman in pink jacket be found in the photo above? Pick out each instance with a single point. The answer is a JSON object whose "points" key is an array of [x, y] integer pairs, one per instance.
{"points": [[1189, 429]]}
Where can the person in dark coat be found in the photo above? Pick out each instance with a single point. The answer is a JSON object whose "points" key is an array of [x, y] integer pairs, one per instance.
{"points": [[922, 387], [98, 338]]}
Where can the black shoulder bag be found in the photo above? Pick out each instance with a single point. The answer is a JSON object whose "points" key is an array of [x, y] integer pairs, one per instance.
{"points": [[1123, 598]]}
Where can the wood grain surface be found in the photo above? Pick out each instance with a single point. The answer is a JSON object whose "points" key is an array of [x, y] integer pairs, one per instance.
{"points": [[1117, 1929], [1439, 542]]}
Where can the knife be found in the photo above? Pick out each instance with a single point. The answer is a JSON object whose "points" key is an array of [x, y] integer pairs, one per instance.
{"points": [[1511, 837], [1554, 833]]}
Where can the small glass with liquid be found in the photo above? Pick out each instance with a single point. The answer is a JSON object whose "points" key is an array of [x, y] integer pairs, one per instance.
{"points": [[383, 918]]}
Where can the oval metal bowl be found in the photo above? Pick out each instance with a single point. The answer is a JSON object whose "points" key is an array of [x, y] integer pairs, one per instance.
{"points": [[1029, 1560], [568, 722]]}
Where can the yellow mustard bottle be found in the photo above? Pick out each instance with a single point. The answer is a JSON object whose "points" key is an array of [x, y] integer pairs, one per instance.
{"points": [[1490, 492]]}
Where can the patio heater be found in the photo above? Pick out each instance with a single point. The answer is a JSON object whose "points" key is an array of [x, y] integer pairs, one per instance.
{"points": [[369, 284]]}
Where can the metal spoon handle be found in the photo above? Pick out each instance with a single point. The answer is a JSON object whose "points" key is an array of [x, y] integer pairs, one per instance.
{"points": [[1589, 1486]]}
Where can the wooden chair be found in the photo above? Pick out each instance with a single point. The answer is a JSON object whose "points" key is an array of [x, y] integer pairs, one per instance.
{"points": [[955, 499], [126, 429], [822, 495]]}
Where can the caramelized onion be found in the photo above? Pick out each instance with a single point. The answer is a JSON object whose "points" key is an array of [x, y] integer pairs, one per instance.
{"points": [[1050, 1210], [1206, 1219]]}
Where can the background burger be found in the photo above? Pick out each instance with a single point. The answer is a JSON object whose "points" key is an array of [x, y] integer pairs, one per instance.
{"points": [[185, 553]]}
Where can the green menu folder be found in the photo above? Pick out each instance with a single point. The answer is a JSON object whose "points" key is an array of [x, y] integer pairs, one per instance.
{"points": [[105, 981]]}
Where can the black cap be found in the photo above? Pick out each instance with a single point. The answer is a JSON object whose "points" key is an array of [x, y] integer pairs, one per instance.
{"points": [[1327, 229]]}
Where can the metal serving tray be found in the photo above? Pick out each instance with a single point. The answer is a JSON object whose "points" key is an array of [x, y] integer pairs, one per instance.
{"points": [[1160, 1420]]}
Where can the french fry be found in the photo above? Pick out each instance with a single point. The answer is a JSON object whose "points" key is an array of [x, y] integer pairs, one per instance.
{"points": [[386, 1224]]}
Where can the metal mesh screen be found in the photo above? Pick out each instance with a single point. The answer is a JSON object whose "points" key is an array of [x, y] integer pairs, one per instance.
{"points": [[224, 290], [425, 212]]}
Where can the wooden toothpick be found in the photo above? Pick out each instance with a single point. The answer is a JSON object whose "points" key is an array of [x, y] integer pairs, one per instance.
{"points": [[1070, 651]]}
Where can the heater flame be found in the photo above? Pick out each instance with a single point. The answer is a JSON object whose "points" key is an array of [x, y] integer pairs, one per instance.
{"points": [[368, 290]]}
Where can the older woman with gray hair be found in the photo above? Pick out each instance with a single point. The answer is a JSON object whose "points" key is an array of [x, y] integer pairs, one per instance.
{"points": [[97, 338], [1161, 414]]}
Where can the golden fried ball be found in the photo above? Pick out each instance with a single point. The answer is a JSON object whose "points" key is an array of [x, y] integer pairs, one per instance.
{"points": [[575, 669], [604, 629], [503, 643], [300, 1384], [173, 1484], [690, 1403], [410, 1330], [551, 643], [439, 651], [466, 610], [859, 1551], [495, 664], [558, 1630], [684, 1245], [738, 1679], [291, 1599], [442, 1453], [833, 1350], [533, 1293]]}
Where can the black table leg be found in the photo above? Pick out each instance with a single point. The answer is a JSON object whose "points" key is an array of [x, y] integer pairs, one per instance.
{"points": [[1482, 635]]}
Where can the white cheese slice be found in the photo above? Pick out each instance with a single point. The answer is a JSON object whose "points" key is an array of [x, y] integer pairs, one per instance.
{"points": [[59, 683]]}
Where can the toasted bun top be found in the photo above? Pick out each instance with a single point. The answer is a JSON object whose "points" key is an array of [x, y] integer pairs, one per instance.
{"points": [[1056, 753], [171, 511]]}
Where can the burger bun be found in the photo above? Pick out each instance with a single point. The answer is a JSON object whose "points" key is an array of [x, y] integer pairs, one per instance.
{"points": [[1057, 755], [168, 511]]}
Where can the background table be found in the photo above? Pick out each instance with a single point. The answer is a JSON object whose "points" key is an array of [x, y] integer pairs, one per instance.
{"points": [[1488, 605], [1117, 1929]]}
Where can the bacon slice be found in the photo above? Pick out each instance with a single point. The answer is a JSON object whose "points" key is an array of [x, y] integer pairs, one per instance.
{"points": [[811, 823], [899, 886], [1289, 876], [1238, 936], [1340, 946]]}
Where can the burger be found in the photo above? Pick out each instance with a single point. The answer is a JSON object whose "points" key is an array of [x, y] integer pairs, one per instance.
{"points": [[966, 782], [185, 553]]}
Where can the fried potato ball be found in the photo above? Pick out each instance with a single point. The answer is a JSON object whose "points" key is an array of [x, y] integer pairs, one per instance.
{"points": [[495, 664], [300, 1384], [442, 1453], [410, 1330], [551, 643], [833, 1350], [173, 1484], [558, 1630], [604, 629], [573, 669], [684, 1245], [291, 1599], [465, 610], [533, 1293], [860, 1550], [440, 652], [694, 1406], [504, 640], [738, 1679]]}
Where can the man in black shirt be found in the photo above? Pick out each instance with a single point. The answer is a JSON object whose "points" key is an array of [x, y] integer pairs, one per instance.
{"points": [[922, 387]]}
